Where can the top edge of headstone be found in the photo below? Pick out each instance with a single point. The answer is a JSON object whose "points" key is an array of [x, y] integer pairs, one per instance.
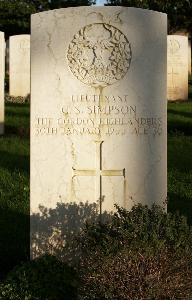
{"points": [[94, 8], [18, 36], [178, 36]]}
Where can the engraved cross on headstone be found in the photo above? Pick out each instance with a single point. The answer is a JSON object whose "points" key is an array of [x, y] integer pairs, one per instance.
{"points": [[98, 172], [173, 75]]}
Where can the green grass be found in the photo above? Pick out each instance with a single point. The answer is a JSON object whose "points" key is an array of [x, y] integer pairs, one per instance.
{"points": [[17, 119], [14, 188], [180, 158], [14, 179], [180, 118], [180, 175]]}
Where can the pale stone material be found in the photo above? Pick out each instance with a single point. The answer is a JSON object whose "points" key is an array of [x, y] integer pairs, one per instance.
{"points": [[184, 32], [98, 111], [2, 80], [177, 67], [189, 56], [19, 65]]}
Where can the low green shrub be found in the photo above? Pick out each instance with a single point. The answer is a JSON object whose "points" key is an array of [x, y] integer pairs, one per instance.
{"points": [[149, 229], [141, 254], [19, 99]]}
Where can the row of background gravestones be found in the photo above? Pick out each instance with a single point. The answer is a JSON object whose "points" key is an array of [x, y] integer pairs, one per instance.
{"points": [[17, 65], [179, 57], [16, 53], [178, 67], [15, 61]]}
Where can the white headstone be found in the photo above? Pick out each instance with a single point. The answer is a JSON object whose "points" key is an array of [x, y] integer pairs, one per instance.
{"points": [[2, 80], [19, 65], [177, 67], [98, 107]]}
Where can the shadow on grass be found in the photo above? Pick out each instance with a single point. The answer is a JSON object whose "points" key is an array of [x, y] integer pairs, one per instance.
{"points": [[17, 110], [13, 105], [183, 205], [186, 114], [17, 120], [17, 113], [179, 127], [179, 154], [179, 175], [14, 239], [180, 118], [14, 162], [20, 131], [43, 278]]}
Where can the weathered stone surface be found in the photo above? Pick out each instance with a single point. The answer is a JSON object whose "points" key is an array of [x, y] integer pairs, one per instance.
{"points": [[2, 79], [19, 65], [177, 67], [98, 111]]}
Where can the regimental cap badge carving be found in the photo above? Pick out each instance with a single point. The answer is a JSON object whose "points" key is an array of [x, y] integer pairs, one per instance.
{"points": [[173, 46], [99, 55]]}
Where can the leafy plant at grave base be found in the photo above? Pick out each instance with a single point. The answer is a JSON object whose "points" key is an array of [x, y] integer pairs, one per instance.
{"points": [[19, 99], [45, 278], [141, 254]]}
